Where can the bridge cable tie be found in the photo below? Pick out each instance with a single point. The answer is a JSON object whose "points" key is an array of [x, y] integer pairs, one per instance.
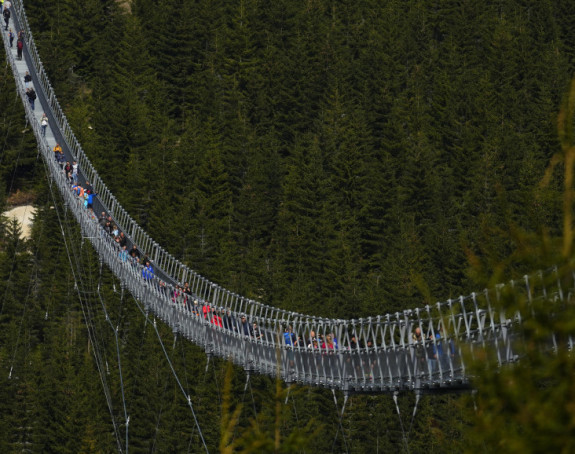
{"points": [[339, 422], [417, 396], [395, 394]]}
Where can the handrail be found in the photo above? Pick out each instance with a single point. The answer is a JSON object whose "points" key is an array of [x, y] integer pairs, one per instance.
{"points": [[373, 354], [124, 221]]}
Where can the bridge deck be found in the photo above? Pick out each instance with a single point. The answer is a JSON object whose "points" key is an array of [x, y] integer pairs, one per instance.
{"points": [[377, 354]]}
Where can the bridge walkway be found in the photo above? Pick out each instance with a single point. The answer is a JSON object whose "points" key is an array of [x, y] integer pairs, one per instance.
{"points": [[375, 354]]}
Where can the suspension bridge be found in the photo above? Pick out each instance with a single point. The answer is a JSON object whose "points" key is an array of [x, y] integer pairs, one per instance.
{"points": [[419, 350]]}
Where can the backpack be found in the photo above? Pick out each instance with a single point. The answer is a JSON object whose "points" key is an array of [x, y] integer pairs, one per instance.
{"points": [[20, 44]]}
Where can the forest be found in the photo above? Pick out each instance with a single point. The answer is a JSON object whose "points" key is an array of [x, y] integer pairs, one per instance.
{"points": [[337, 158]]}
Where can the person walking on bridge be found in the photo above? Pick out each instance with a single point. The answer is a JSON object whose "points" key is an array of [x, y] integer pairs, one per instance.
{"points": [[57, 151], [44, 124], [6, 15], [68, 172], [134, 252], [20, 48], [75, 172], [419, 350], [148, 272], [31, 96]]}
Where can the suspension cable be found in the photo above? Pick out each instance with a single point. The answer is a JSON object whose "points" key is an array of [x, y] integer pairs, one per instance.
{"points": [[395, 394], [339, 422], [187, 396], [115, 330], [160, 412], [85, 309]]}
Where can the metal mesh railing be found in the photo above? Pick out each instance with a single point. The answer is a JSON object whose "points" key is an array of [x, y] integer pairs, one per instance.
{"points": [[374, 354]]}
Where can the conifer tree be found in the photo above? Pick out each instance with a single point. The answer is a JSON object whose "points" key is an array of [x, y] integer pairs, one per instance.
{"points": [[303, 227]]}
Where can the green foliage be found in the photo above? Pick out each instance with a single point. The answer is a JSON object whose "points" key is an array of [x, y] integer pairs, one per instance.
{"points": [[527, 406], [338, 158], [432, 122]]}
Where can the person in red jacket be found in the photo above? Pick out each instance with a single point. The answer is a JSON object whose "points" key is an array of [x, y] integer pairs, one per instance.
{"points": [[216, 319]]}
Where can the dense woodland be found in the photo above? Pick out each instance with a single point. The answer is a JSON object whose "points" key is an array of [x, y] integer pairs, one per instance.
{"points": [[334, 157]]}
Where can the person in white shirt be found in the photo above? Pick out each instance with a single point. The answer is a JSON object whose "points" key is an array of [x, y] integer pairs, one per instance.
{"points": [[44, 124]]}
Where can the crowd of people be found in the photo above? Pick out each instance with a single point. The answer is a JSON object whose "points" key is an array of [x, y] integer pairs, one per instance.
{"points": [[430, 355], [6, 10], [434, 352]]}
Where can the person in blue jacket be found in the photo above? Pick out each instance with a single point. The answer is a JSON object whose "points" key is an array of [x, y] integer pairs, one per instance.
{"points": [[148, 272]]}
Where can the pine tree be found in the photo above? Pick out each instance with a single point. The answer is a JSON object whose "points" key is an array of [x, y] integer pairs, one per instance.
{"points": [[303, 228], [211, 227], [255, 218]]}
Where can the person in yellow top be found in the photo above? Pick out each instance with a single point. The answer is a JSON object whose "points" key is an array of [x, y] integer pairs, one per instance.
{"points": [[59, 155], [1, 5]]}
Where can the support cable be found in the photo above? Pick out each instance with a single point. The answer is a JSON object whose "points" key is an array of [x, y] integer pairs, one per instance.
{"points": [[185, 368], [417, 397], [89, 319], [253, 401], [187, 396], [84, 308], [20, 328], [339, 422], [296, 416], [115, 330], [91, 311], [160, 412], [395, 394], [217, 384], [246, 386]]}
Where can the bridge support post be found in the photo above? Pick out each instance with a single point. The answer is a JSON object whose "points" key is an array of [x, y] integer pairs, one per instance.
{"points": [[395, 399], [345, 397], [208, 357], [247, 381], [417, 397]]}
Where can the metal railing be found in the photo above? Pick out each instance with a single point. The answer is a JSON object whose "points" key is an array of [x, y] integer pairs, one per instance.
{"points": [[374, 354]]}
